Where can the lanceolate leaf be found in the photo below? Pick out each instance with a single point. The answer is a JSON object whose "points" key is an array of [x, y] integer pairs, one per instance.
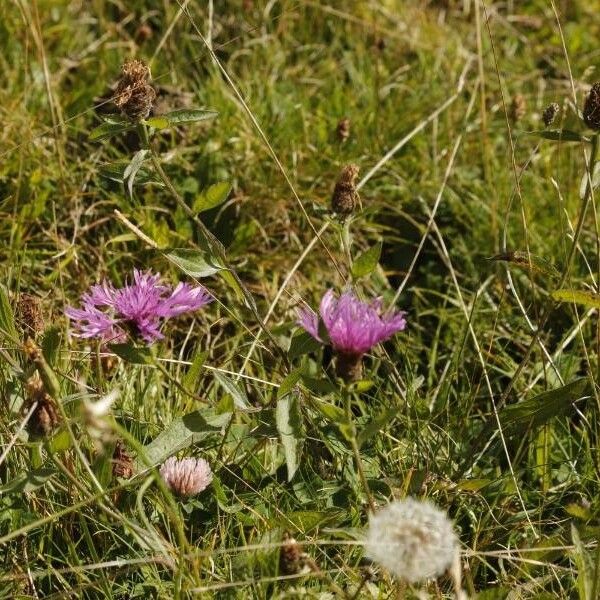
{"points": [[236, 392], [583, 297], [181, 433], [178, 117], [563, 135], [132, 354], [110, 129], [211, 197], [133, 167], [7, 318], [289, 425], [195, 263]]}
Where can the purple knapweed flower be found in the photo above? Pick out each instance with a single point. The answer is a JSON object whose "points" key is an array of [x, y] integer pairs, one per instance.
{"points": [[186, 477], [139, 308], [353, 326]]}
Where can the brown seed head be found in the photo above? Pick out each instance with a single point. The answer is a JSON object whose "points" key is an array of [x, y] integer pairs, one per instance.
{"points": [[345, 197], [122, 463], [290, 556], [134, 95], [591, 108], [343, 129], [550, 113], [45, 417], [518, 107], [29, 315]]}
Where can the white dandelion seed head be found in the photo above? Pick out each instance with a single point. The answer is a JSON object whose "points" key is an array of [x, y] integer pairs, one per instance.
{"points": [[186, 476], [413, 539]]}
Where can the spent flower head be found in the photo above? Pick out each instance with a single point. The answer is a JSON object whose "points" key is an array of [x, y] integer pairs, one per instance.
{"points": [[353, 326], [186, 476], [134, 94], [591, 108], [138, 308], [413, 539]]}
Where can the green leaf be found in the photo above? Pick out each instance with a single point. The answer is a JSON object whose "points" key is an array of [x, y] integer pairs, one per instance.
{"points": [[211, 197], [132, 168], [7, 317], [28, 482], [195, 263], [288, 417], [562, 135], [288, 384], [191, 377], [116, 172], [366, 262], [537, 411], [585, 180], [181, 433], [302, 343], [60, 441], [237, 393], [588, 299], [110, 129], [51, 343], [158, 122], [585, 566], [132, 354], [186, 115], [528, 261], [376, 425]]}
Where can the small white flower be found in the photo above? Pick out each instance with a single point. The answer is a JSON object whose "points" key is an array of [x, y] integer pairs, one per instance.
{"points": [[413, 539], [187, 476]]}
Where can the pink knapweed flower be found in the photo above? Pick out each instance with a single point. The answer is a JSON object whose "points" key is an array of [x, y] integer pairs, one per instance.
{"points": [[186, 477], [139, 308], [353, 326]]}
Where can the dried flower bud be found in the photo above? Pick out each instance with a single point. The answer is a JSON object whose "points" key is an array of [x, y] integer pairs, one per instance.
{"points": [[134, 95], [343, 129], [550, 113], [186, 477], [44, 418], [290, 556], [122, 463], [29, 315], [591, 108], [345, 197], [518, 107]]}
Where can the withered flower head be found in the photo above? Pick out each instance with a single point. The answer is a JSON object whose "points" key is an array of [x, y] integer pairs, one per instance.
{"points": [[343, 129], [122, 463], [518, 107], [345, 197], [44, 418], [290, 556], [29, 315], [134, 94], [591, 108], [550, 113]]}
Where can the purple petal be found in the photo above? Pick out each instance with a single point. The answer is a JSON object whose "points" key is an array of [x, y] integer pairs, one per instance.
{"points": [[184, 298], [309, 320]]}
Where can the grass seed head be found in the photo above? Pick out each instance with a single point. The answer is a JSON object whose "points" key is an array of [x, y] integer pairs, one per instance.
{"points": [[591, 108], [413, 539]]}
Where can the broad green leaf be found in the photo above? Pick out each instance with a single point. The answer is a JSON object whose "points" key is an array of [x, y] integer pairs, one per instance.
{"points": [[133, 354], [529, 262], [190, 381], [195, 263], [237, 393], [28, 482], [211, 197], [366, 262], [535, 412], [376, 425], [7, 317], [110, 129], [563, 135], [116, 172], [583, 297], [51, 343], [288, 417], [158, 122], [181, 433], [60, 441], [302, 343]]}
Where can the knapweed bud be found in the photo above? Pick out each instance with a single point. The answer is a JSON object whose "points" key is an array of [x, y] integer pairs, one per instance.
{"points": [[345, 197], [134, 94], [29, 315], [343, 129], [348, 366], [591, 108], [518, 107], [413, 539], [44, 418], [550, 113], [186, 477], [122, 463]]}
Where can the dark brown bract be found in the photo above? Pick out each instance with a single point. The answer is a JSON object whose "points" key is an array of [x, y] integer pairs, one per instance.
{"points": [[591, 108], [345, 198], [134, 94]]}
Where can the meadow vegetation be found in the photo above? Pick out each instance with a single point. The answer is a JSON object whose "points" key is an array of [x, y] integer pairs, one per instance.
{"points": [[463, 199]]}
